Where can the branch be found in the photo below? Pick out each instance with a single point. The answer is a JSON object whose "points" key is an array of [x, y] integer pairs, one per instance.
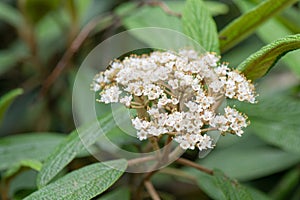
{"points": [[164, 7], [177, 172], [140, 160], [151, 190], [75, 45], [186, 162]]}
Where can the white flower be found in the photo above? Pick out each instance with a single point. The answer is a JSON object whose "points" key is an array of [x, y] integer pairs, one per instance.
{"points": [[152, 91], [140, 124], [205, 142], [207, 115], [126, 100], [222, 70], [96, 87], [219, 122], [163, 101], [184, 144], [142, 135], [177, 94], [173, 83], [216, 85], [110, 95], [211, 59], [154, 112]]}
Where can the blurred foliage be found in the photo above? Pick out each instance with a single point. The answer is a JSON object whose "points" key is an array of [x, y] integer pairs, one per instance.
{"points": [[43, 44]]}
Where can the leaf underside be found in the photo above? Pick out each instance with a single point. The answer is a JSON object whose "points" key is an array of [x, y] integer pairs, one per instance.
{"points": [[259, 63], [245, 25]]}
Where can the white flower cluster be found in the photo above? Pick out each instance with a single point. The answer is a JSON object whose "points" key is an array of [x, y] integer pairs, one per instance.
{"points": [[177, 94]]}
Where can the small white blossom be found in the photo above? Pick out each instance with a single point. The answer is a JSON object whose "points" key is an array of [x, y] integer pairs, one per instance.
{"points": [[173, 83], [193, 107], [219, 122], [142, 135], [96, 87], [110, 95], [205, 142], [126, 100]]}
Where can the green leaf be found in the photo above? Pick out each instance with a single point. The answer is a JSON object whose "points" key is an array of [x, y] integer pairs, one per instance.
{"points": [[30, 163], [118, 193], [150, 16], [290, 19], [19, 148], [257, 194], [72, 146], [248, 158], [286, 185], [10, 15], [7, 99], [272, 30], [154, 16], [275, 120], [24, 181], [199, 25], [259, 63], [84, 183], [221, 187], [216, 8], [147, 16], [246, 24]]}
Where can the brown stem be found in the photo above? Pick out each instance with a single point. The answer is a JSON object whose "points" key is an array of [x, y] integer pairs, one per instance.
{"points": [[209, 129], [140, 160], [186, 162], [75, 45], [164, 7], [155, 146], [167, 149], [147, 176], [151, 190], [4, 191], [177, 172]]}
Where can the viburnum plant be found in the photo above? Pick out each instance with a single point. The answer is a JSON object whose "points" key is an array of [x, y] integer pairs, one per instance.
{"points": [[177, 94]]}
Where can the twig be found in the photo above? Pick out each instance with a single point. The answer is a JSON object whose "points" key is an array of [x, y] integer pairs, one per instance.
{"points": [[164, 7], [167, 149], [186, 162], [140, 160], [155, 146], [4, 191], [209, 129], [177, 172], [151, 190], [77, 42]]}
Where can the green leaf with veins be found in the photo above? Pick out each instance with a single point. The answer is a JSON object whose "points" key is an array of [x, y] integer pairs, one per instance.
{"points": [[84, 183], [199, 25], [259, 63], [246, 24], [220, 187], [73, 145], [18, 149], [272, 30]]}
